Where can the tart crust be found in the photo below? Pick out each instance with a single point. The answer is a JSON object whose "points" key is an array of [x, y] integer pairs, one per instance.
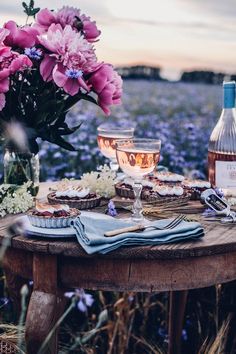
{"points": [[52, 222], [81, 204]]}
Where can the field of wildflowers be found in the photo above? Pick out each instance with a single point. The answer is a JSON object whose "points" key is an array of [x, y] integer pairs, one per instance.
{"points": [[182, 116]]}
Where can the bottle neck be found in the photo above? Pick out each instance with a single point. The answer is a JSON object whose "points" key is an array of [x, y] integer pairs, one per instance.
{"points": [[229, 98]]}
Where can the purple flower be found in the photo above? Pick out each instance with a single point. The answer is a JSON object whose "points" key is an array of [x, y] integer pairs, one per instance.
{"points": [[33, 53], [3, 301], [184, 335], [73, 73], [84, 300], [111, 209], [209, 212]]}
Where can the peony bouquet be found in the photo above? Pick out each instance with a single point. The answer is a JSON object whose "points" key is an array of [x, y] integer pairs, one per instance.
{"points": [[48, 66]]}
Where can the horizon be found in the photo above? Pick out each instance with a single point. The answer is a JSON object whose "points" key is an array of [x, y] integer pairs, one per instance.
{"points": [[177, 36]]}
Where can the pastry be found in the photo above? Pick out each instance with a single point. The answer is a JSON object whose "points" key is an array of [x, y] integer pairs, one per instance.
{"points": [[48, 216], [75, 197], [160, 192], [124, 188], [166, 177], [195, 187]]}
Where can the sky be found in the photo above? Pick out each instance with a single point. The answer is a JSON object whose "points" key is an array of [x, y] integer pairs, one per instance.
{"points": [[176, 35]]}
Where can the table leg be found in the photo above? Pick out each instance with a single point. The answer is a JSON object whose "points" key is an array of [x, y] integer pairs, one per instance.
{"points": [[46, 305], [178, 301]]}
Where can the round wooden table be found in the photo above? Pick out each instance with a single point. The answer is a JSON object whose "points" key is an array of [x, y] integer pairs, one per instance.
{"points": [[56, 266]]}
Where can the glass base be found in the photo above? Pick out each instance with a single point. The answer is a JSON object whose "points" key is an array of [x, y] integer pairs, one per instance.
{"points": [[131, 220]]}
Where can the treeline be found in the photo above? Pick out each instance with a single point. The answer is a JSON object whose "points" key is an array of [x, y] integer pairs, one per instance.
{"points": [[206, 77], [154, 73], [140, 72]]}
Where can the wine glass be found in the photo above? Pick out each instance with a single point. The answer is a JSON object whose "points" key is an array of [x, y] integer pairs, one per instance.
{"points": [[137, 158], [108, 134]]}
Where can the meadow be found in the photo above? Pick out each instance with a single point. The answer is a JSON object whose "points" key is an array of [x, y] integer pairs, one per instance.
{"points": [[181, 115]]}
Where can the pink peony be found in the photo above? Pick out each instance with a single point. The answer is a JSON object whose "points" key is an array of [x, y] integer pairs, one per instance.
{"points": [[3, 34], [67, 16], [4, 80], [10, 62], [71, 57], [108, 85], [2, 101], [22, 37], [20, 63], [5, 61]]}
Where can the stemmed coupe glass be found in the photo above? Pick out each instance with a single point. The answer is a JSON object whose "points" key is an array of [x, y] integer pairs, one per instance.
{"points": [[137, 158], [107, 136]]}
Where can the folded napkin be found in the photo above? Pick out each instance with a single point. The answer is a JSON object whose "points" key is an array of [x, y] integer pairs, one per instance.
{"points": [[90, 229]]}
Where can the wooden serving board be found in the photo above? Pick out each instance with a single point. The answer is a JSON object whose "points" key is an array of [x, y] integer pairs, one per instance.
{"points": [[188, 207]]}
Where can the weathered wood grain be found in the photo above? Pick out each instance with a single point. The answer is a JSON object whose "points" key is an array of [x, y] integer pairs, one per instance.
{"points": [[46, 304], [177, 304], [218, 239], [147, 274]]}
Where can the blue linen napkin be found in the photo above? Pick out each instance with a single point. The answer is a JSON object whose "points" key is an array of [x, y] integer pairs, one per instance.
{"points": [[90, 231]]}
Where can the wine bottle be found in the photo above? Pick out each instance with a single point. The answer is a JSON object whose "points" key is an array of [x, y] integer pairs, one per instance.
{"points": [[222, 144]]}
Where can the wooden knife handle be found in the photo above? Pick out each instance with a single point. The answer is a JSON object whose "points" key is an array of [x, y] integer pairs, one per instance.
{"points": [[123, 230]]}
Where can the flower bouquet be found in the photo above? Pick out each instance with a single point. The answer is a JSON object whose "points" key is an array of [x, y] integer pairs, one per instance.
{"points": [[46, 67]]}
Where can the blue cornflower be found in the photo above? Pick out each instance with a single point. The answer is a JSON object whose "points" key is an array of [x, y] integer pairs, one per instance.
{"points": [[184, 335], [209, 212], [111, 209], [84, 300], [73, 73], [3, 301], [33, 53]]}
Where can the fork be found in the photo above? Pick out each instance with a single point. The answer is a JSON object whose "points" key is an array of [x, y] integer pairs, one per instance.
{"points": [[171, 225]]}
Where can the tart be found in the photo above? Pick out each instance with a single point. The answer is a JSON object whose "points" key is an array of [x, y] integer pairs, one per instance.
{"points": [[195, 187], [75, 197], [124, 189], [166, 178], [52, 217], [166, 192]]}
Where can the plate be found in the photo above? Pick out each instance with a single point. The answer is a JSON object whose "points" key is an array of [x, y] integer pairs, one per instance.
{"points": [[63, 233]]}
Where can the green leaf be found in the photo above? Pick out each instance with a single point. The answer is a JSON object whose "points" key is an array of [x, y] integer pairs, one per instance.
{"points": [[29, 9], [50, 111], [24, 5], [68, 131], [72, 100], [35, 11], [62, 143]]}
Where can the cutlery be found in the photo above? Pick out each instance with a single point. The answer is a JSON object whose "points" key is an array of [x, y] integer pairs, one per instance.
{"points": [[140, 227]]}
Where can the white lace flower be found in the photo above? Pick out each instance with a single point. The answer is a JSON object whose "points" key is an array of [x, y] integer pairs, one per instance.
{"points": [[15, 199], [101, 182]]}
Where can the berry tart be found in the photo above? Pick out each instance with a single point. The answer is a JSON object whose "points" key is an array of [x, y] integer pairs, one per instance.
{"points": [[166, 193], [166, 178], [75, 197], [124, 189], [48, 216], [195, 187]]}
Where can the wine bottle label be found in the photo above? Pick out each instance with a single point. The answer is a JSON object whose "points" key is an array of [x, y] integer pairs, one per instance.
{"points": [[225, 174]]}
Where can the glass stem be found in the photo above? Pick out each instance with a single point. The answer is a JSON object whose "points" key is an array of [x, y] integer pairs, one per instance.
{"points": [[114, 165], [137, 206]]}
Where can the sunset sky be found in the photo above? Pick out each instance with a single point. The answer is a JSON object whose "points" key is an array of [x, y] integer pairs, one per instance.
{"points": [[174, 34]]}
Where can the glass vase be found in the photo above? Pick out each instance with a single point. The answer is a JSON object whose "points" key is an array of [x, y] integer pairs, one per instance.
{"points": [[21, 167]]}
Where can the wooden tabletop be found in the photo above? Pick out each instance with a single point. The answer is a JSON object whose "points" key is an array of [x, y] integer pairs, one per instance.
{"points": [[218, 239]]}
